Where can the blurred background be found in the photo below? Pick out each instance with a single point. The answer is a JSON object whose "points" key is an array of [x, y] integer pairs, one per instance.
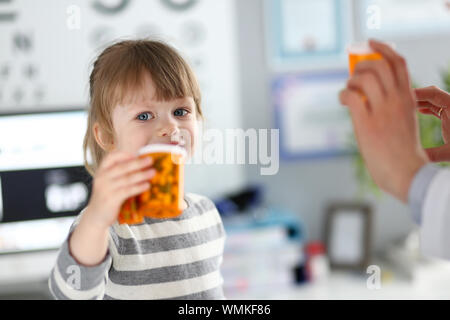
{"points": [[314, 228]]}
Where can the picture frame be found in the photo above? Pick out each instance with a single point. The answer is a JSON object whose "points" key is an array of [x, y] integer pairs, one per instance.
{"points": [[312, 125], [348, 230], [294, 41]]}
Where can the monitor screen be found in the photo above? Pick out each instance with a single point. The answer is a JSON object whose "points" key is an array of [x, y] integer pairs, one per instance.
{"points": [[43, 183]]}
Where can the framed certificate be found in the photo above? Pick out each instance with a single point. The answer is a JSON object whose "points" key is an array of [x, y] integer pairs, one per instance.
{"points": [[307, 34], [310, 118]]}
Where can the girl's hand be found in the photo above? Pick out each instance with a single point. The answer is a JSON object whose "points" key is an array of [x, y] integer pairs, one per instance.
{"points": [[434, 101], [119, 177]]}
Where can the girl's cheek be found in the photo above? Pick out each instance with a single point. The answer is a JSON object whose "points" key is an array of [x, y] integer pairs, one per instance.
{"points": [[195, 142]]}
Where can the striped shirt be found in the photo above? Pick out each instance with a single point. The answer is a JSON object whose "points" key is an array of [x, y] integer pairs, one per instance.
{"points": [[176, 258]]}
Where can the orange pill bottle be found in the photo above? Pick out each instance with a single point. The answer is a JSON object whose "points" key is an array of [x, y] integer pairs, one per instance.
{"points": [[358, 52], [164, 198]]}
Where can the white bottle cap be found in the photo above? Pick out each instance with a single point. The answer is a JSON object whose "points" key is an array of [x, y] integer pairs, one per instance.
{"points": [[154, 148]]}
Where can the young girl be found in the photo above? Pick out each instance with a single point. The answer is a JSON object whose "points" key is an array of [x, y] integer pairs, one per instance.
{"points": [[141, 92]]}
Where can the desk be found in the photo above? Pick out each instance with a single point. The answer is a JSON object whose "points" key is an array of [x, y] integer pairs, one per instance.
{"points": [[26, 274], [431, 281]]}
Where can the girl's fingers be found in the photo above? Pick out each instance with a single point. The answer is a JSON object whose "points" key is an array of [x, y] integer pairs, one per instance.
{"points": [[131, 191], [114, 158], [130, 166], [133, 178]]}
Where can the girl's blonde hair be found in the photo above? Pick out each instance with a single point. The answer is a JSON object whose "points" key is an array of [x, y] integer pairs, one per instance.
{"points": [[118, 74]]}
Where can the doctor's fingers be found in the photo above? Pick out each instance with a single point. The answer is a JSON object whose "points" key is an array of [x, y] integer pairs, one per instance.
{"points": [[432, 110], [427, 108], [439, 154], [397, 63], [356, 104], [381, 69], [369, 86], [433, 95]]}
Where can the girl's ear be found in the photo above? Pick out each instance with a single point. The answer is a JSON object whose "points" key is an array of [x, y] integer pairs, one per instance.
{"points": [[102, 138]]}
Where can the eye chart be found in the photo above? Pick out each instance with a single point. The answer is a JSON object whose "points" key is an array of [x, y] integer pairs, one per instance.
{"points": [[48, 47]]}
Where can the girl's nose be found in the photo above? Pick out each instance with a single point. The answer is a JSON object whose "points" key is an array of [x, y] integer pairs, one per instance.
{"points": [[168, 130]]}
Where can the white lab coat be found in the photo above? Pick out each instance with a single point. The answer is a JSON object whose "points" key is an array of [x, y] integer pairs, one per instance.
{"points": [[435, 226]]}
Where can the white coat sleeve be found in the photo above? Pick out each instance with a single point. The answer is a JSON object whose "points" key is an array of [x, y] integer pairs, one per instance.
{"points": [[435, 224]]}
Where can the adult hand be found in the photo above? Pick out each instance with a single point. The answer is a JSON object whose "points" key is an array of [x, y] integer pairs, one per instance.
{"points": [[434, 101], [383, 111]]}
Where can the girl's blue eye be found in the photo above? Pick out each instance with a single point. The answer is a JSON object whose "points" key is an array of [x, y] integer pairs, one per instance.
{"points": [[180, 112], [144, 116]]}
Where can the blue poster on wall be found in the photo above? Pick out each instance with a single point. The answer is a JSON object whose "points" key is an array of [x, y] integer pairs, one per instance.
{"points": [[311, 120]]}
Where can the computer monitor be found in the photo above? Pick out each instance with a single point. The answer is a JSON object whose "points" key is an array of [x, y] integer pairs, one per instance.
{"points": [[43, 183]]}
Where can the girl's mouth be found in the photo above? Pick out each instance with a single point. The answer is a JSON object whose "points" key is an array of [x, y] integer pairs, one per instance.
{"points": [[177, 143]]}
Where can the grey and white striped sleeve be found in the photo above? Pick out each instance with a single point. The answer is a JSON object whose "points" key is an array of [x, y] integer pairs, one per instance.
{"points": [[418, 190], [70, 280]]}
